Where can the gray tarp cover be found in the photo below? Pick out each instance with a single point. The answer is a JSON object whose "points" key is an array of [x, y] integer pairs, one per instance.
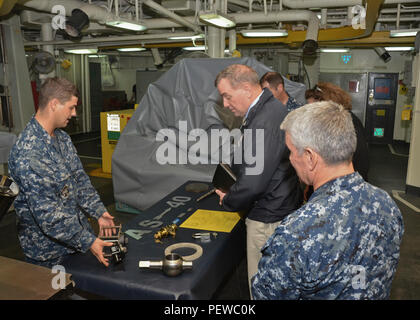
{"points": [[7, 140], [184, 93]]}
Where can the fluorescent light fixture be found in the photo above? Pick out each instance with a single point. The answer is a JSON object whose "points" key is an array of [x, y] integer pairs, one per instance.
{"points": [[192, 37], [341, 50], [131, 49], [81, 51], [264, 33], [129, 25], [403, 33], [399, 48], [96, 55], [196, 48], [218, 19], [200, 48]]}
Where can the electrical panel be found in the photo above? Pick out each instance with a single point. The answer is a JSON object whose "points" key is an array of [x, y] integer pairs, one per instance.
{"points": [[380, 109]]}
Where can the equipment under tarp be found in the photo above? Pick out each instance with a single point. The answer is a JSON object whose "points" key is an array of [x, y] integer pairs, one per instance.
{"points": [[144, 166], [7, 140]]}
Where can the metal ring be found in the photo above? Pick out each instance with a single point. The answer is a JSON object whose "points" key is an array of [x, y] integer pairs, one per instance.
{"points": [[192, 257]]}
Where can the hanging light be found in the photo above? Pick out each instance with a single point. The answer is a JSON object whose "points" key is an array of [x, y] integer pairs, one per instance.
{"points": [[403, 33], [125, 24], [264, 33], [217, 19]]}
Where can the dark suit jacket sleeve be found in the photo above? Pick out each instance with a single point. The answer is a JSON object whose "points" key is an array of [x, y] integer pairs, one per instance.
{"points": [[270, 147], [361, 154]]}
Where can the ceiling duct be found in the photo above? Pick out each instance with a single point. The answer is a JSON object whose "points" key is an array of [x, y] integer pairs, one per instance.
{"points": [[184, 7], [306, 4], [171, 15], [74, 24], [94, 12]]}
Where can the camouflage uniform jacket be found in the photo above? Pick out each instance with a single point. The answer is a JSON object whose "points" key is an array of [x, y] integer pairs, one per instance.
{"points": [[54, 192], [343, 244], [292, 104]]}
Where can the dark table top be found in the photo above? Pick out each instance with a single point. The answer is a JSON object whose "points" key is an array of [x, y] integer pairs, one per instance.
{"points": [[127, 281]]}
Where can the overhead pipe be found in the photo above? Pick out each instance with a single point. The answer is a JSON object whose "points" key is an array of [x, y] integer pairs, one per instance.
{"points": [[324, 13], [244, 18], [222, 31], [117, 7], [305, 4], [101, 14], [350, 15], [139, 37], [282, 16], [257, 17], [156, 58], [232, 40], [245, 4], [402, 19], [382, 11], [372, 14], [216, 36], [94, 12], [137, 9], [172, 15], [47, 35]]}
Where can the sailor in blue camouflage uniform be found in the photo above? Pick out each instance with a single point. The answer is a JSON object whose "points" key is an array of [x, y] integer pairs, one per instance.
{"points": [[292, 104], [55, 192], [274, 81], [344, 243]]}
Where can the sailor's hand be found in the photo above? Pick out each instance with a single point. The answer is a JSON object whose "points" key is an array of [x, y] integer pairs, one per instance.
{"points": [[106, 220], [221, 195], [97, 250]]}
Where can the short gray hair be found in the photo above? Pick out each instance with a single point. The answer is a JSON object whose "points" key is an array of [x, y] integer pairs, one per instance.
{"points": [[325, 127], [238, 74]]}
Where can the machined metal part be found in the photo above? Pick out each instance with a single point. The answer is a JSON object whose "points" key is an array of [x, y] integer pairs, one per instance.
{"points": [[172, 265], [119, 248], [204, 236]]}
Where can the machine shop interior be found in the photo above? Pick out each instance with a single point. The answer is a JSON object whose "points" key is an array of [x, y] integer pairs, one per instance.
{"points": [[167, 46]]}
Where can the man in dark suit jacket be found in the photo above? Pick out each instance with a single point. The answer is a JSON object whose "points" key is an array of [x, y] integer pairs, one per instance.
{"points": [[268, 188]]}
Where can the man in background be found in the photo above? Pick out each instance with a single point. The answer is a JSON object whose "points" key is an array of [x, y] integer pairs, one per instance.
{"points": [[275, 83]]}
